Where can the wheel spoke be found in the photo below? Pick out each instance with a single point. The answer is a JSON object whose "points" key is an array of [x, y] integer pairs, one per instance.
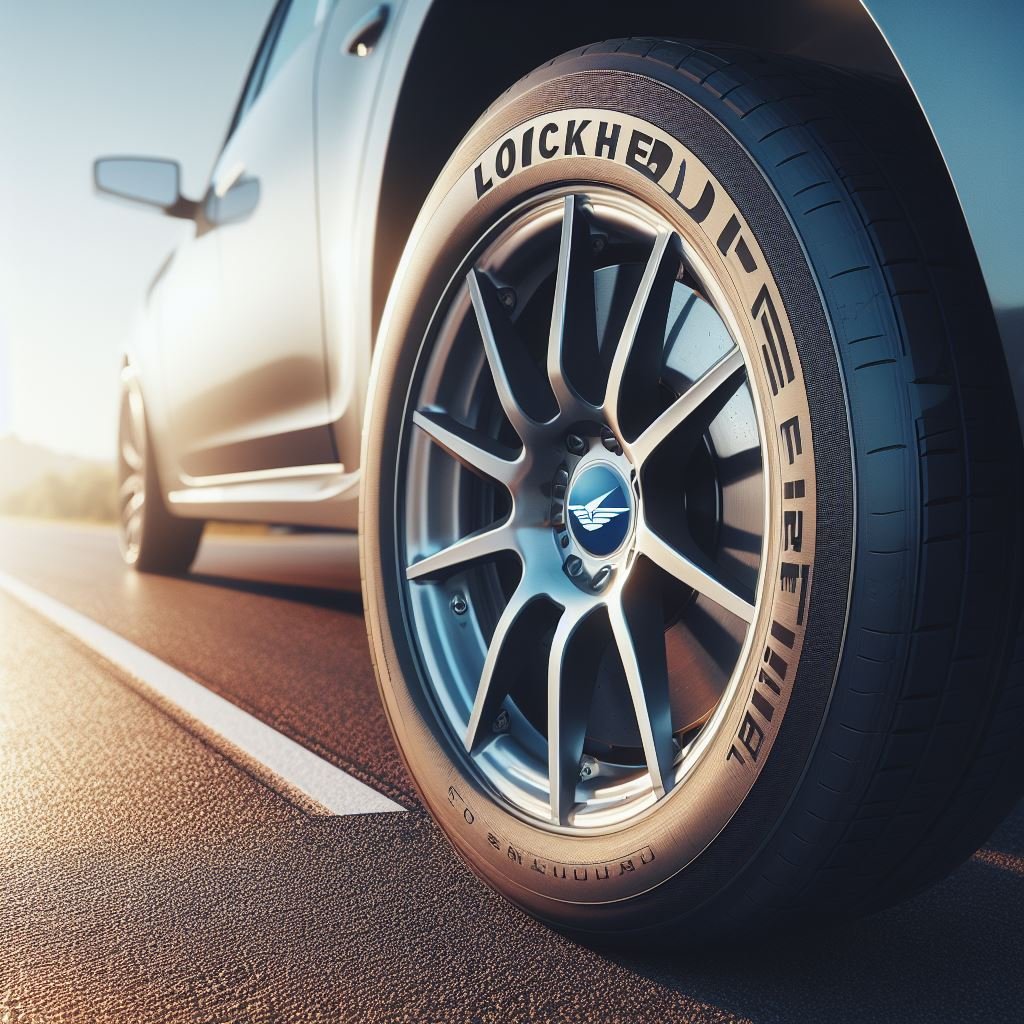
{"points": [[133, 507], [522, 388], [133, 526], [637, 363], [706, 397], [574, 359], [130, 454], [484, 543], [496, 676], [694, 572], [572, 672], [132, 430], [130, 486], [636, 623], [475, 450]]}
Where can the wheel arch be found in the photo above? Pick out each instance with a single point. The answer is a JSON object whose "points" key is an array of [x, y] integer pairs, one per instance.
{"points": [[449, 90]]}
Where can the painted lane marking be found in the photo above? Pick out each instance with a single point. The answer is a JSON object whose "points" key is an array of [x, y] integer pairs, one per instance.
{"points": [[332, 789]]}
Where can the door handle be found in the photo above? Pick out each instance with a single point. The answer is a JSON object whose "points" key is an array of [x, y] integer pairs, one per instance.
{"points": [[365, 36]]}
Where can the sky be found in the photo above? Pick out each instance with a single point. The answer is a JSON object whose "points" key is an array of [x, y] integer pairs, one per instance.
{"points": [[81, 80]]}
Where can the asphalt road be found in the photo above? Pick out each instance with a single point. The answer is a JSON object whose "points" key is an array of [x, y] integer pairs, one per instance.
{"points": [[148, 875]]}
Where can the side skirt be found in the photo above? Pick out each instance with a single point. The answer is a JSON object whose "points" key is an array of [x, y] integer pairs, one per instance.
{"points": [[323, 495]]}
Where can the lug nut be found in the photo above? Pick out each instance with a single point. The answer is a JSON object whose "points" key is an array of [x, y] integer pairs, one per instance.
{"points": [[574, 565], [600, 577], [459, 605], [575, 444], [507, 297], [588, 767], [502, 723], [610, 441]]}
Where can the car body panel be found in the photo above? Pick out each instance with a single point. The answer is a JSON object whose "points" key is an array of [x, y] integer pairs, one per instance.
{"points": [[356, 97], [258, 395]]}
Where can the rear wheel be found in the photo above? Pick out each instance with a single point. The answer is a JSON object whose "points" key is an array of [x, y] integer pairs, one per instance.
{"points": [[688, 491], [151, 538]]}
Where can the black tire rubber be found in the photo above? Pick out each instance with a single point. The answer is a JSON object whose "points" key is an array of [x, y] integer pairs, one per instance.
{"points": [[898, 754], [167, 543]]}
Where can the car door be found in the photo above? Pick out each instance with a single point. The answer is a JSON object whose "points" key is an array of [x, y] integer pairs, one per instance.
{"points": [[254, 397]]}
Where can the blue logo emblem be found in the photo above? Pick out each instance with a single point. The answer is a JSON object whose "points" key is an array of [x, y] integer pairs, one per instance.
{"points": [[599, 509]]}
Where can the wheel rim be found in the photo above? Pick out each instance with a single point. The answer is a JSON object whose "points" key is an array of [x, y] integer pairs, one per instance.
{"points": [[131, 469], [582, 509]]}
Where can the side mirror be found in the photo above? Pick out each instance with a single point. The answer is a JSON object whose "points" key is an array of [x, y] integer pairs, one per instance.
{"points": [[235, 205], [140, 180]]}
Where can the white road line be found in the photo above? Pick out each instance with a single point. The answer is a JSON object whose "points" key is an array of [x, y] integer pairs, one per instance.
{"points": [[336, 791]]}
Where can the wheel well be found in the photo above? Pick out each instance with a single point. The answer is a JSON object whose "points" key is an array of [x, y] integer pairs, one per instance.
{"points": [[469, 52]]}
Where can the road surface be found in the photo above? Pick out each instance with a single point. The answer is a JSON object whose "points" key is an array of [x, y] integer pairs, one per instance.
{"points": [[151, 871]]}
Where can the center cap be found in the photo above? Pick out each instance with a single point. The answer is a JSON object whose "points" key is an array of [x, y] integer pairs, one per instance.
{"points": [[600, 509]]}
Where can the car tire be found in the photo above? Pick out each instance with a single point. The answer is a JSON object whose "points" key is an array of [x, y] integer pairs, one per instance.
{"points": [[847, 688], [150, 537]]}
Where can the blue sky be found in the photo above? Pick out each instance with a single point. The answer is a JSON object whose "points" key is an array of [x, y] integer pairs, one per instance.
{"points": [[80, 80]]}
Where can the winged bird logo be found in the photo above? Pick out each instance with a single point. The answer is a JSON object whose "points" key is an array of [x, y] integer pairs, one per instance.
{"points": [[592, 517]]}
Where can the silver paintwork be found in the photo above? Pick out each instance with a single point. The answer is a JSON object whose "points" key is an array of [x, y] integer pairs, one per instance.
{"points": [[249, 335]]}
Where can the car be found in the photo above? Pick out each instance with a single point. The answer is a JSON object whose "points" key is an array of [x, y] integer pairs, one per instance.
{"points": [[669, 381]]}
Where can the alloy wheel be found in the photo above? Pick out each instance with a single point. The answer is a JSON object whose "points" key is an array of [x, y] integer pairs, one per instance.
{"points": [[584, 508]]}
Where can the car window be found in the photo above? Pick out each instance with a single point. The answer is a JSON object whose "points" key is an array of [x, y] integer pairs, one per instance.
{"points": [[291, 22], [298, 23]]}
